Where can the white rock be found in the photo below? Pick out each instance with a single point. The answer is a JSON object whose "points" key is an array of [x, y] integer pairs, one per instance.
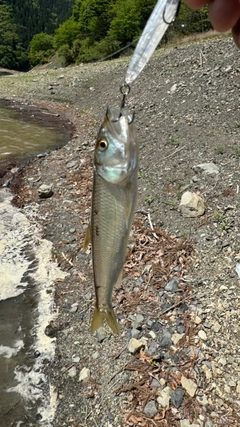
{"points": [[222, 361], [185, 423], [176, 338], [164, 397], [134, 345], [189, 386], [202, 400], [196, 319], [191, 205], [72, 372], [84, 374], [202, 334], [216, 327], [238, 387], [208, 168], [238, 269]]}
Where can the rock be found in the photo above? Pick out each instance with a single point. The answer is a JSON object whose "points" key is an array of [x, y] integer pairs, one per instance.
{"points": [[155, 383], [208, 168], [189, 386], [216, 327], [135, 333], [152, 335], [177, 397], [238, 269], [73, 308], [134, 345], [176, 338], [185, 423], [191, 205], [150, 409], [84, 375], [164, 397], [165, 340], [202, 399], [137, 320], [72, 372], [75, 358], [238, 387], [45, 191], [202, 334], [172, 285], [173, 88], [101, 334], [181, 328]]}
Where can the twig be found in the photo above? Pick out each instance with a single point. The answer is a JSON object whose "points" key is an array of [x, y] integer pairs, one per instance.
{"points": [[172, 306], [14, 406], [68, 260], [151, 226], [174, 152]]}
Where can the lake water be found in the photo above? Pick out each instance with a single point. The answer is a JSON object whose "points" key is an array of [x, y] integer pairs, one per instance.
{"points": [[27, 275], [19, 137]]}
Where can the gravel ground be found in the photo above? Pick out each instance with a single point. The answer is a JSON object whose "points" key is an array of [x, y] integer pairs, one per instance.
{"points": [[176, 362]]}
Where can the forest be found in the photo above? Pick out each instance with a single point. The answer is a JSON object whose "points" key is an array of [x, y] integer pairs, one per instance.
{"points": [[32, 31]]}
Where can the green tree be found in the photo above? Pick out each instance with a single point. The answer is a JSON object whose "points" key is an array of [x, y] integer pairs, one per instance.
{"points": [[41, 48], [66, 34]]}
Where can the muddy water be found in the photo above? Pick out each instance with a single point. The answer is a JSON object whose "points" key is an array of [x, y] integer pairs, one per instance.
{"points": [[27, 276], [20, 137]]}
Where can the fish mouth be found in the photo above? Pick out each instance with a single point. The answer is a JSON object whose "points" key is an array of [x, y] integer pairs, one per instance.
{"points": [[113, 115]]}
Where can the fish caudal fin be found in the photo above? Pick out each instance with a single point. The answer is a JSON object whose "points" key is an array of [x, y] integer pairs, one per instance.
{"points": [[87, 239], [109, 316]]}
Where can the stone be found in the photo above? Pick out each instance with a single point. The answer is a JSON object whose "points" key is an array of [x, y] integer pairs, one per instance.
{"points": [[208, 168], [150, 409], [155, 383], [72, 372], [172, 285], [185, 423], [101, 334], [164, 397], [238, 387], [191, 205], [189, 385], [84, 374], [135, 333], [216, 327], [176, 338], [134, 345], [202, 399], [45, 191], [177, 397], [202, 334]]}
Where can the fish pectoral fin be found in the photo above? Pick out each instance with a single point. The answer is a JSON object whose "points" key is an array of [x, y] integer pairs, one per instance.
{"points": [[87, 239], [109, 316]]}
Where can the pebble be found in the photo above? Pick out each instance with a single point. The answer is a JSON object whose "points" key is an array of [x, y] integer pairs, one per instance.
{"points": [[191, 205], [172, 285], [134, 345], [101, 334], [216, 327], [189, 385], [155, 383], [176, 338], [164, 397], [45, 191], [72, 372], [73, 308], [165, 340], [150, 409], [75, 359], [84, 374], [135, 333], [137, 320], [202, 399], [208, 168], [177, 397], [202, 334]]}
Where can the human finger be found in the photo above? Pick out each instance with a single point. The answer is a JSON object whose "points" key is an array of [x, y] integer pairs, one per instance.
{"points": [[236, 33], [224, 14], [196, 4]]}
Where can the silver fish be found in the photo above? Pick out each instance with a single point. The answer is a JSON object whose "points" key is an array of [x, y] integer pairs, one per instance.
{"points": [[113, 203], [163, 14]]}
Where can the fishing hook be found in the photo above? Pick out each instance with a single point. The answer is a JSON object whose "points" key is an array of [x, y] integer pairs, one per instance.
{"points": [[164, 12], [124, 90]]}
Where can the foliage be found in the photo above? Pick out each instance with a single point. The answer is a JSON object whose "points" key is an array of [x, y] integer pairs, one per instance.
{"points": [[41, 48]]}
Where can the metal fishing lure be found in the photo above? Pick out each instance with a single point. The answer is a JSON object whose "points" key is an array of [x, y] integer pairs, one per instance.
{"points": [[162, 16]]}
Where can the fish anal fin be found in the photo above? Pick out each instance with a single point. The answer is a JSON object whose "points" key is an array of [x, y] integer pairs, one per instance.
{"points": [[109, 316], [87, 239]]}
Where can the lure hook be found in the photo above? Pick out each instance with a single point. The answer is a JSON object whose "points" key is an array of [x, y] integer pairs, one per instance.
{"points": [[124, 90], [164, 12]]}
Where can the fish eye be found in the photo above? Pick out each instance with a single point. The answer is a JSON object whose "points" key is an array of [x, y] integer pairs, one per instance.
{"points": [[102, 144]]}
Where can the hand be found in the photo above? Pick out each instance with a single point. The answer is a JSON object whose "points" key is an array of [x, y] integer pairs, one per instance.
{"points": [[224, 15]]}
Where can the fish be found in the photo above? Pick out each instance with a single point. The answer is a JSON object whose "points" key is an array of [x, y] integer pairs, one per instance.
{"points": [[161, 17], [114, 198]]}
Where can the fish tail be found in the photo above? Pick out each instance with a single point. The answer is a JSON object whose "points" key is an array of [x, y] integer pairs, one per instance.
{"points": [[109, 316]]}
